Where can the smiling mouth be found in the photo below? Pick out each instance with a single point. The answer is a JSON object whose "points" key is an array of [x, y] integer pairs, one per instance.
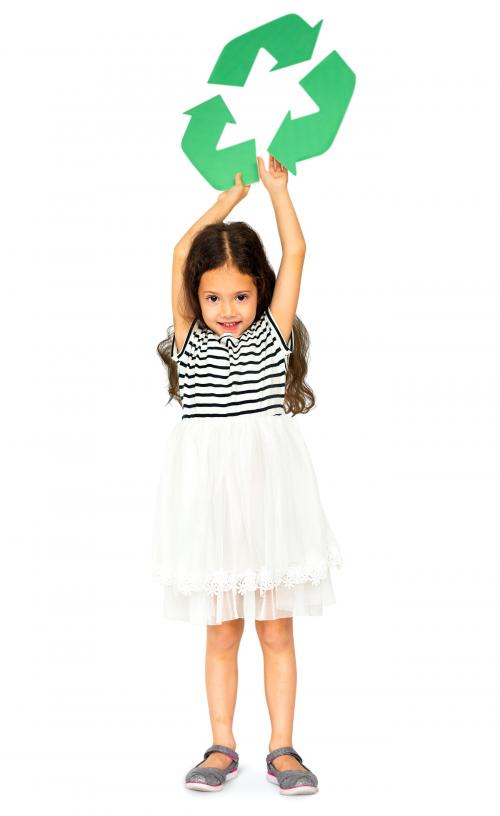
{"points": [[230, 325]]}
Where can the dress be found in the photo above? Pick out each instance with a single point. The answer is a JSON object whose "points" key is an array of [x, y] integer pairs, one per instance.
{"points": [[239, 529]]}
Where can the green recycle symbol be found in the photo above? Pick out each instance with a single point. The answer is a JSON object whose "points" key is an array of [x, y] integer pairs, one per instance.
{"points": [[290, 40]]}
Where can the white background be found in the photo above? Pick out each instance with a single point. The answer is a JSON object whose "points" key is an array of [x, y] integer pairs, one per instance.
{"points": [[103, 700]]}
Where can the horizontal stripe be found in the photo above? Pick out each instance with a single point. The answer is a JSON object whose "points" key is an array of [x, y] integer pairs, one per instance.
{"points": [[236, 413]]}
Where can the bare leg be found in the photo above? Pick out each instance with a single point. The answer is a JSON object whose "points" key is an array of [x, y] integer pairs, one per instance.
{"points": [[280, 682], [221, 677]]}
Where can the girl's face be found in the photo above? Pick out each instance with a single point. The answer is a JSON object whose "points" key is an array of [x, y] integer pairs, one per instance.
{"points": [[227, 296]]}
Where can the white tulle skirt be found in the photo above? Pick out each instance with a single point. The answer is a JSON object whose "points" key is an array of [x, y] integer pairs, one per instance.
{"points": [[239, 529]]}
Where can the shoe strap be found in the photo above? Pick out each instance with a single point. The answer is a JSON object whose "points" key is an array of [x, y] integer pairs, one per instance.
{"points": [[286, 749], [222, 749]]}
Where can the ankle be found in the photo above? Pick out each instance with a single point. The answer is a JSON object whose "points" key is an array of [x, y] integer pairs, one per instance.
{"points": [[279, 743], [229, 743]]}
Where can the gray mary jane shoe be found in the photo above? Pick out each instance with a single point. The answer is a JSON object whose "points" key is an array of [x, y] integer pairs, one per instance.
{"points": [[212, 779], [293, 781]]}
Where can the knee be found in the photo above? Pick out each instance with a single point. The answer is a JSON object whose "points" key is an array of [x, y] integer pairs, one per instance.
{"points": [[275, 634], [225, 636]]}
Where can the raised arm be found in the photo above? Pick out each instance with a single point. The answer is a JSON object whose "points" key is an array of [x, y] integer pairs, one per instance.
{"points": [[283, 306], [217, 212]]}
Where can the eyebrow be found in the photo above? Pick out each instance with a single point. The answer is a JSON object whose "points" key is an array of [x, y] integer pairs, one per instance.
{"points": [[239, 292]]}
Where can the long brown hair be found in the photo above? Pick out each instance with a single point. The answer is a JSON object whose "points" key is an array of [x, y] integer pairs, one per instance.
{"points": [[238, 244]]}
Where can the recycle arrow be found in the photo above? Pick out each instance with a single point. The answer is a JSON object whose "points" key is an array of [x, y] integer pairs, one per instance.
{"points": [[289, 39], [200, 140], [330, 84]]}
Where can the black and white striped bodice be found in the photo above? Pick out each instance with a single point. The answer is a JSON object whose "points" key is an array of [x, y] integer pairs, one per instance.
{"points": [[224, 375]]}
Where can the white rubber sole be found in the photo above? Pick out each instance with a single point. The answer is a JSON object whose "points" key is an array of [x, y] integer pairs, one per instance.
{"points": [[292, 791], [203, 786]]}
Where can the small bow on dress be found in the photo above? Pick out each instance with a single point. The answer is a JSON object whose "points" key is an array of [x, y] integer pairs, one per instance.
{"points": [[227, 338]]}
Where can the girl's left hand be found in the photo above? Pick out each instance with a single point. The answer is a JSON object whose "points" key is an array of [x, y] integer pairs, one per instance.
{"points": [[276, 177]]}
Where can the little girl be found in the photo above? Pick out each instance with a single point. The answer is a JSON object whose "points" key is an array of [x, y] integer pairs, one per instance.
{"points": [[239, 529]]}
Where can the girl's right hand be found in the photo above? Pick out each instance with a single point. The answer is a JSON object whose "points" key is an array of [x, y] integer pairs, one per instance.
{"points": [[234, 194]]}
